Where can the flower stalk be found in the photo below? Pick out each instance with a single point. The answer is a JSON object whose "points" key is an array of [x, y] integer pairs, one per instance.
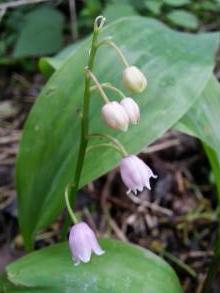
{"points": [[98, 86], [114, 141], [117, 115], [68, 205], [107, 85], [117, 50], [100, 145], [99, 22]]}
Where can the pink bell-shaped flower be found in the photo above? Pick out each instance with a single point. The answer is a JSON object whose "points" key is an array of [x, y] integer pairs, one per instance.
{"points": [[82, 242], [135, 174], [115, 116], [132, 109]]}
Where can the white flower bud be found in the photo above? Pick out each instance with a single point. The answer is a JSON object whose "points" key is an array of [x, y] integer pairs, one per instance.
{"points": [[115, 116], [132, 109], [134, 80]]}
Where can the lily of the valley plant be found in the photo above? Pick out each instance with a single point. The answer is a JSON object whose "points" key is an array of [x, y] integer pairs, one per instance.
{"points": [[118, 115]]}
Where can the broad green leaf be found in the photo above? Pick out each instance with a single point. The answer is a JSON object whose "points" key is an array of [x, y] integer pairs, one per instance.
{"points": [[214, 160], [123, 268], [183, 18], [203, 121], [178, 66], [204, 116], [177, 2], [41, 33]]}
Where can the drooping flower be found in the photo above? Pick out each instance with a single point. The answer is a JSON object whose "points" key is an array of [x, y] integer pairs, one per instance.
{"points": [[134, 80], [115, 116], [132, 109], [135, 174], [82, 242]]}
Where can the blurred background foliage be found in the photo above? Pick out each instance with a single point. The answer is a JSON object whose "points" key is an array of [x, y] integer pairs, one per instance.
{"points": [[43, 29]]}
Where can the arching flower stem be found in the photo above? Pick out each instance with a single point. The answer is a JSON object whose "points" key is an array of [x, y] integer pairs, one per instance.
{"points": [[108, 85], [97, 85], [69, 209], [100, 145], [113, 140], [98, 24], [121, 56]]}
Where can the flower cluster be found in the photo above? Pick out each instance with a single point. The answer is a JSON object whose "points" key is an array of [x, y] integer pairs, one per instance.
{"points": [[118, 115]]}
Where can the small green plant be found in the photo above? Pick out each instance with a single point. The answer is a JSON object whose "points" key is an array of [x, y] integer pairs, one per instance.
{"points": [[65, 133], [135, 174]]}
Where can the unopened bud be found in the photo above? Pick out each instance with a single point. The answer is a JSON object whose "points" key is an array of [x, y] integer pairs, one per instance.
{"points": [[134, 80], [115, 116], [132, 109]]}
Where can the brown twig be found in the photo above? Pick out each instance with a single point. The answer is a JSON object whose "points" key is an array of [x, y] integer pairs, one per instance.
{"points": [[161, 146], [73, 19], [104, 198], [150, 205], [13, 138], [119, 233]]}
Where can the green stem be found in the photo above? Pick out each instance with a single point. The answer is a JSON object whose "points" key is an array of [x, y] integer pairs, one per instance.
{"points": [[113, 141], [111, 87], [70, 211], [115, 89], [117, 50], [98, 86], [99, 22], [180, 263], [108, 145]]}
